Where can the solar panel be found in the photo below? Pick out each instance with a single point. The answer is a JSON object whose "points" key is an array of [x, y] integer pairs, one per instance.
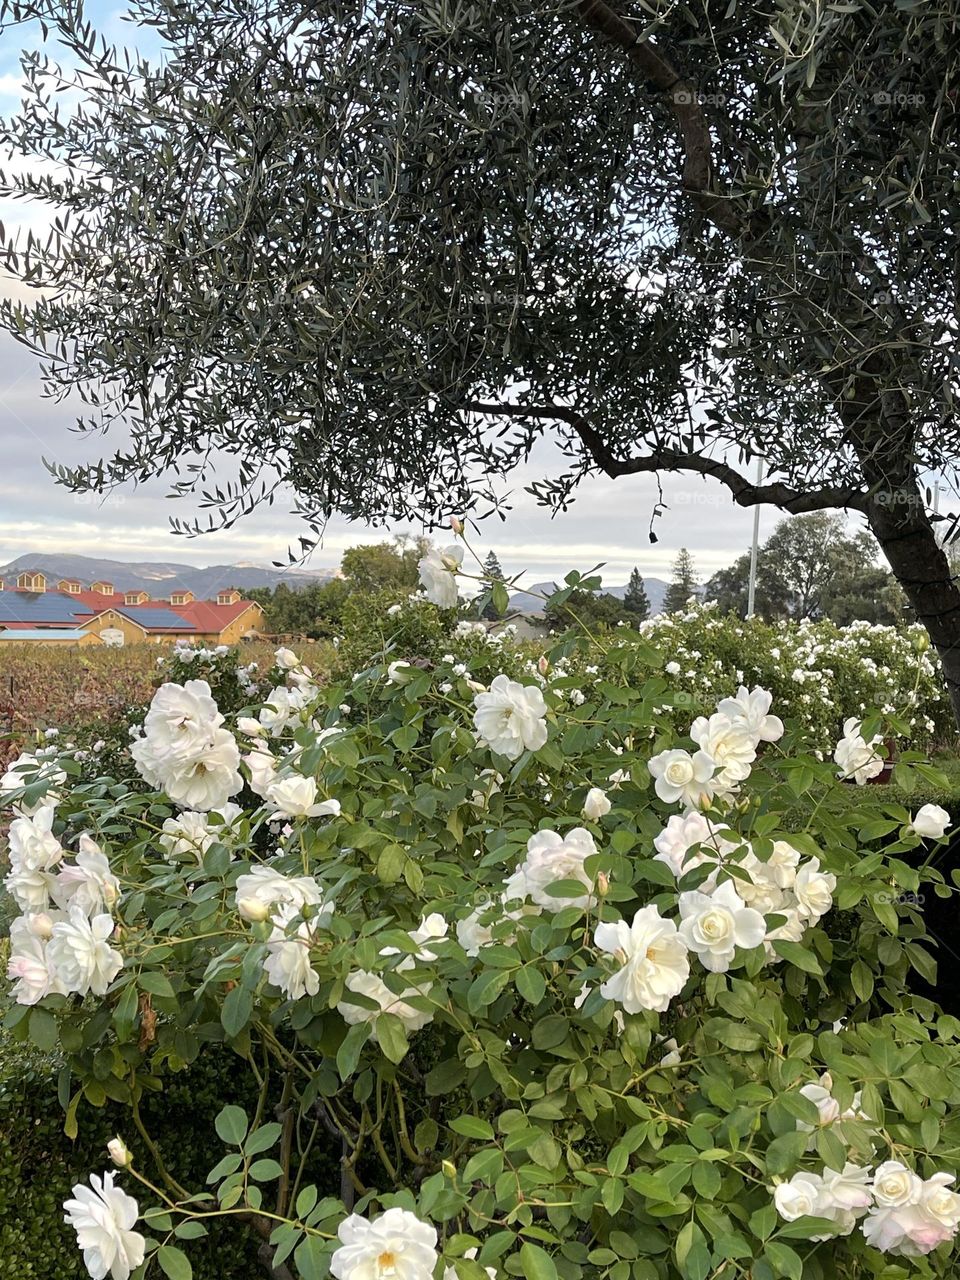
{"points": [[151, 618], [49, 607]]}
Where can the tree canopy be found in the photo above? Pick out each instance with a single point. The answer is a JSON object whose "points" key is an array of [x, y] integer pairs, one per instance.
{"points": [[683, 583], [675, 237], [811, 567]]}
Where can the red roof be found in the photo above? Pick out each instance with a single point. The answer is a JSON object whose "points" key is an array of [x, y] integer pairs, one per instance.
{"points": [[208, 616], [203, 615]]}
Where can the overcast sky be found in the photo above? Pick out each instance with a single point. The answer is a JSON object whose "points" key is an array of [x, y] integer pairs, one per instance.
{"points": [[608, 522]]}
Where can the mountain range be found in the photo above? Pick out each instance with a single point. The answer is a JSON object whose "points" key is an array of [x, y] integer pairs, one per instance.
{"points": [[530, 602], [159, 578]]}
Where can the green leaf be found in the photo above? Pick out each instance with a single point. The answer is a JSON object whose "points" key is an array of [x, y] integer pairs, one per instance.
{"points": [[231, 1125], [536, 1263], [310, 1259], [156, 983], [174, 1262], [348, 1055], [262, 1139], [265, 1170], [799, 956], [531, 984], [472, 1127], [43, 1029], [392, 1037], [784, 1260], [236, 1011]]}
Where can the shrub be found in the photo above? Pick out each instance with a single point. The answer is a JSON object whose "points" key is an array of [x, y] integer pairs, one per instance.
{"points": [[591, 998]]}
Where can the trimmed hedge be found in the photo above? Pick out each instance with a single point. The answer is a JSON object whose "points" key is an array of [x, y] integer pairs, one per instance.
{"points": [[39, 1164]]}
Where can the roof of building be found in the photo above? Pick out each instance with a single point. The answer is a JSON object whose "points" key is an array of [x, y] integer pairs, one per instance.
{"points": [[206, 616], [43, 633], [155, 618], [22, 609], [39, 607]]}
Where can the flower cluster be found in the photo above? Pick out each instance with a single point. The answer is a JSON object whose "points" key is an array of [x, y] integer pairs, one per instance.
{"points": [[185, 751], [59, 945], [584, 970], [899, 1213]]}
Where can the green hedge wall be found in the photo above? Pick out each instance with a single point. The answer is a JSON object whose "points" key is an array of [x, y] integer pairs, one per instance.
{"points": [[39, 1164]]}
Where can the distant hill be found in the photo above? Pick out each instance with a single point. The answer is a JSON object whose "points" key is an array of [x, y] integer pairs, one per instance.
{"points": [[528, 603], [159, 578]]}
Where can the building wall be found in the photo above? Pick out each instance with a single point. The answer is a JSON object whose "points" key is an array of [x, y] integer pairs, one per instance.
{"points": [[250, 620], [132, 634], [90, 638]]}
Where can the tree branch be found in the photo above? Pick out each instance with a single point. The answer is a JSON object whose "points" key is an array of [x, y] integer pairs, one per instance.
{"points": [[697, 175], [744, 492]]}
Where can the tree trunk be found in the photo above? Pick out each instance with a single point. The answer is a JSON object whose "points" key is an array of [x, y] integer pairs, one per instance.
{"points": [[900, 524]]}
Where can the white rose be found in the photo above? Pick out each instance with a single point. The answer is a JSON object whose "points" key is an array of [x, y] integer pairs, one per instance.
{"points": [[29, 771], [751, 710], [286, 659], [296, 797], [80, 954], [103, 1220], [714, 925], [849, 1189], [373, 987], [400, 673], [597, 804], [680, 776], [510, 718], [938, 1202], [822, 1098], [287, 964], [88, 885], [653, 960], [268, 886], [931, 821], [800, 1197], [857, 758], [262, 768], [438, 575], [395, 1245], [207, 780], [119, 1153], [813, 889], [178, 726], [895, 1185], [552, 858], [729, 744], [28, 965]]}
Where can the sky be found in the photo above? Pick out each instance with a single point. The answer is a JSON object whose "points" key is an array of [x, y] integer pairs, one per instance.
{"points": [[609, 522]]}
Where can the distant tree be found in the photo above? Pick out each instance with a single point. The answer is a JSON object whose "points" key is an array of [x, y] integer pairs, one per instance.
{"points": [[493, 571], [729, 587], [592, 608], [810, 567], [683, 584], [636, 602], [375, 566]]}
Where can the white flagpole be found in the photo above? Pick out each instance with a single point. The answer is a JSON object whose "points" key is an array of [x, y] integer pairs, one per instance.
{"points": [[752, 584]]}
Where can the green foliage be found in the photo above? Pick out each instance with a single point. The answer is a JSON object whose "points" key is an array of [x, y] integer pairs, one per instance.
{"points": [[810, 567], [817, 671], [636, 603], [683, 583], [590, 609], [39, 1164], [522, 1118]]}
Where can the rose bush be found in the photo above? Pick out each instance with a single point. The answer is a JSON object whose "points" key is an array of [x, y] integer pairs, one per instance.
{"points": [[569, 1005]]}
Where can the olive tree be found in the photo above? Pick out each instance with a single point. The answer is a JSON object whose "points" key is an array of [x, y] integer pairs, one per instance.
{"points": [[374, 250]]}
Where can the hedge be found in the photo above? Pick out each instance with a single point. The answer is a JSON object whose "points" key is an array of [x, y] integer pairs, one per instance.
{"points": [[39, 1164]]}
